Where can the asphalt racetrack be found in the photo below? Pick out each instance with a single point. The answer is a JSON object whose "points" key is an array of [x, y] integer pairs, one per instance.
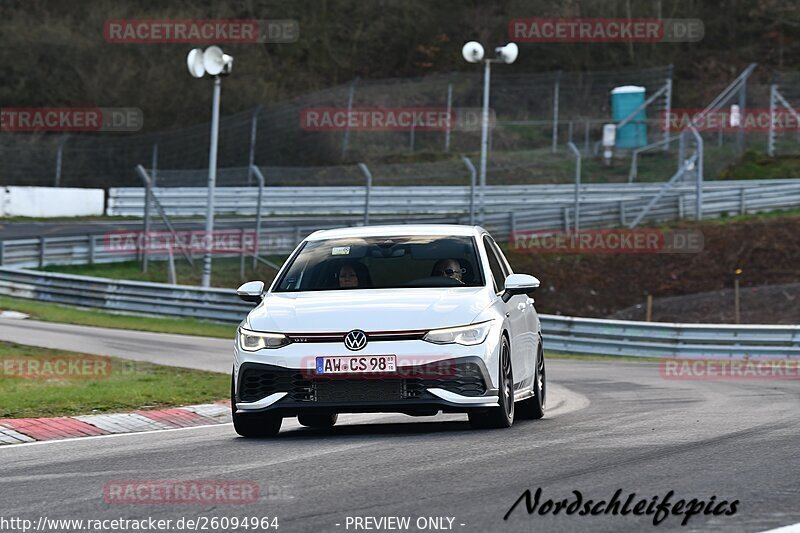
{"points": [[610, 425]]}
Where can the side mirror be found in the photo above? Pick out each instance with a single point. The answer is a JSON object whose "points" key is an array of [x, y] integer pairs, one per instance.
{"points": [[519, 284], [251, 291]]}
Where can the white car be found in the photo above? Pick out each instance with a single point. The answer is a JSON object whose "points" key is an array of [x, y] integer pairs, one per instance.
{"points": [[411, 319]]}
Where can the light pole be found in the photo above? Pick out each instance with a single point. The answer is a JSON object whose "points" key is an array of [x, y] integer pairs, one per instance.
{"points": [[215, 63], [473, 53]]}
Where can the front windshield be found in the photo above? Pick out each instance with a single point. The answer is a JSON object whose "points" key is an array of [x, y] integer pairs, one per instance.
{"points": [[383, 263]]}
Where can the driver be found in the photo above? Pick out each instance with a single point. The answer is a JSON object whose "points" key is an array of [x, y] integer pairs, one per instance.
{"points": [[348, 277], [449, 268]]}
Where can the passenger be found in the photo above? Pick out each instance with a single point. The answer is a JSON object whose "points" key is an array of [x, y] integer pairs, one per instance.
{"points": [[449, 268]]}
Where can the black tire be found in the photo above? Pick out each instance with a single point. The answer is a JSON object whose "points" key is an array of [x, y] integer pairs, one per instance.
{"points": [[318, 421], [501, 416], [253, 425], [533, 408]]}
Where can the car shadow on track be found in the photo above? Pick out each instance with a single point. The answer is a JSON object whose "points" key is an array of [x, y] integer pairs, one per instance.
{"points": [[382, 429]]}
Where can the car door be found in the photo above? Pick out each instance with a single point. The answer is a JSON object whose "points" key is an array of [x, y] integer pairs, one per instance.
{"points": [[514, 310], [529, 324]]}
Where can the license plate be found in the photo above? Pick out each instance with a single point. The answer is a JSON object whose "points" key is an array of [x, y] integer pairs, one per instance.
{"points": [[356, 364]]}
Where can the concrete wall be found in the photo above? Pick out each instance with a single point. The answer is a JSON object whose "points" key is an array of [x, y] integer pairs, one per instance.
{"points": [[50, 202]]}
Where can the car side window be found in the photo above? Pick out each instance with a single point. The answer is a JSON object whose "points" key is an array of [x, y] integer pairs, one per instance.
{"points": [[503, 261], [498, 275]]}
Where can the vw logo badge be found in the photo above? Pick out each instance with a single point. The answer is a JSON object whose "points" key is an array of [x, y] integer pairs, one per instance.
{"points": [[355, 340]]}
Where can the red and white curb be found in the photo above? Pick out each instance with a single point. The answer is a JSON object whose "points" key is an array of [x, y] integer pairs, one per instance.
{"points": [[19, 430]]}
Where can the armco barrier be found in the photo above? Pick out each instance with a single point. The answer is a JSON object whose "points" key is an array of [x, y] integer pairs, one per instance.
{"points": [[124, 296], [562, 334], [451, 200]]}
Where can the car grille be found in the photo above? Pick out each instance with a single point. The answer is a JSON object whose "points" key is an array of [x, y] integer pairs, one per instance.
{"points": [[465, 379], [358, 390], [257, 382]]}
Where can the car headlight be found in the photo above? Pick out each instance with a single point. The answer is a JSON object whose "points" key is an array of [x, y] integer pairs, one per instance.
{"points": [[251, 341], [466, 335]]}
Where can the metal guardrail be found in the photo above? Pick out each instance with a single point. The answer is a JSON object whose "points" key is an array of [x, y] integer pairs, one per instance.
{"points": [[220, 305], [562, 334], [601, 206], [96, 249], [412, 200]]}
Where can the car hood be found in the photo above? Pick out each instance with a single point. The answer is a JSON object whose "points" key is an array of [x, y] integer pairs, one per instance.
{"points": [[339, 311]]}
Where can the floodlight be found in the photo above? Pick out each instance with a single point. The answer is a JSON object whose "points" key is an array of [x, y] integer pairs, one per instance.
{"points": [[472, 51], [195, 63], [508, 53], [216, 62]]}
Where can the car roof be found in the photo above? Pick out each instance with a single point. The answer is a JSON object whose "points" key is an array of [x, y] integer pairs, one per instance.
{"points": [[396, 231]]}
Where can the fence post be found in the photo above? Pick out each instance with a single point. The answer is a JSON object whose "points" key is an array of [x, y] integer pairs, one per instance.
{"points": [[42, 245], [566, 218], [251, 160], [449, 117], [622, 213], [2, 252], [742, 202], [472, 179], [577, 153], [261, 180], [556, 91], [60, 159], [368, 192], [241, 255], [699, 171], [586, 136], [771, 140], [742, 110], [92, 246], [148, 184], [154, 162], [667, 109], [346, 137]]}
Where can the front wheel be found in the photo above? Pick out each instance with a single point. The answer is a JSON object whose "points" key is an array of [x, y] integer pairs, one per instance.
{"points": [[533, 408], [501, 416], [253, 425]]}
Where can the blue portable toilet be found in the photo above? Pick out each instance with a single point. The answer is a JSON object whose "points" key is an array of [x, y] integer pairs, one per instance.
{"points": [[625, 100]]}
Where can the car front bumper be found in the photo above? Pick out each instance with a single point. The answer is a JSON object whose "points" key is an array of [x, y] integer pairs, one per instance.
{"points": [[429, 378]]}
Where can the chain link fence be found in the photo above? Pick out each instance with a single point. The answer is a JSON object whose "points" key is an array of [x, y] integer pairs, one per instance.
{"points": [[533, 116]]}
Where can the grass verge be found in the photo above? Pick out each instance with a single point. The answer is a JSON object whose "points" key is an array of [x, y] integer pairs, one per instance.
{"points": [[580, 357], [48, 312], [126, 386]]}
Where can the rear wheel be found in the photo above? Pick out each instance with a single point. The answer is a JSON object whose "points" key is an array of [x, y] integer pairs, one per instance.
{"points": [[501, 416], [319, 421], [253, 425], [533, 408]]}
